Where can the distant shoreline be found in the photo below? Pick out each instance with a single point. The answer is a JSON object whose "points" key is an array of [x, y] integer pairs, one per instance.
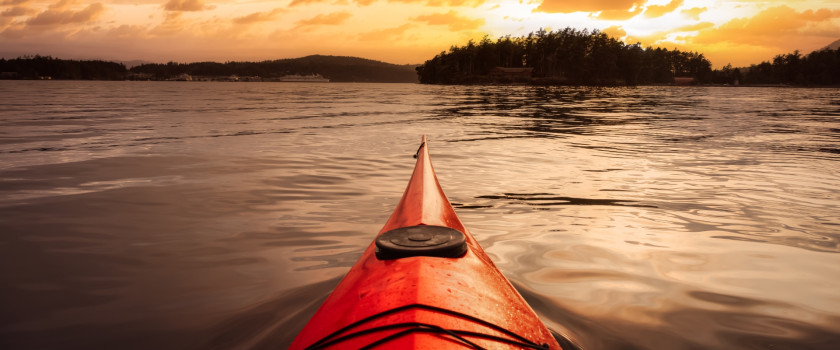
{"points": [[460, 84], [309, 68]]}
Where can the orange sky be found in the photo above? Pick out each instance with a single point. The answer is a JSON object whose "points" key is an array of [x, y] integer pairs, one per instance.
{"points": [[399, 31]]}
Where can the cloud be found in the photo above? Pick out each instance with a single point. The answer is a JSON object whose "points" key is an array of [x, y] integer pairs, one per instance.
{"points": [[452, 20], [749, 40], [185, 6], [335, 2], [569, 6], [13, 2], [447, 3], [327, 19], [654, 11], [772, 27], [777, 28], [258, 17], [615, 32], [62, 16], [172, 24], [694, 27], [305, 2], [13, 31], [17, 11], [57, 15], [385, 34], [443, 3], [619, 15], [694, 12], [610, 10], [430, 3], [127, 31]]}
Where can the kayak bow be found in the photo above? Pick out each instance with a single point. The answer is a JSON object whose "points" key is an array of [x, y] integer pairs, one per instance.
{"points": [[424, 283]]}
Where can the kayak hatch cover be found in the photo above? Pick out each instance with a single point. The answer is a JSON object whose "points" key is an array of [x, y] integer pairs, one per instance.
{"points": [[424, 283]]}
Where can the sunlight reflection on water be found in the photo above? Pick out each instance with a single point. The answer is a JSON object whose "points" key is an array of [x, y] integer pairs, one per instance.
{"points": [[211, 215]]}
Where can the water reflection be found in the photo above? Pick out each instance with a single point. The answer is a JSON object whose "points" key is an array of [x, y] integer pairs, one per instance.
{"points": [[266, 324], [139, 215], [674, 115], [610, 297], [708, 177], [549, 199]]}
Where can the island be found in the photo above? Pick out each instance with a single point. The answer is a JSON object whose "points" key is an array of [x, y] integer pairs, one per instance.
{"points": [[582, 57]]}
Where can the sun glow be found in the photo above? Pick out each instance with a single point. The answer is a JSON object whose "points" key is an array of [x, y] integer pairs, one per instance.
{"points": [[399, 31]]}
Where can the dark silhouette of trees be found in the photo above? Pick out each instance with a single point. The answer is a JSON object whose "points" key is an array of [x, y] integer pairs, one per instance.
{"points": [[46, 67], [817, 68], [582, 57], [567, 56], [336, 68]]}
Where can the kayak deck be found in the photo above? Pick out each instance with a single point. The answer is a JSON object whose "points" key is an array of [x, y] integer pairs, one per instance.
{"points": [[425, 302]]}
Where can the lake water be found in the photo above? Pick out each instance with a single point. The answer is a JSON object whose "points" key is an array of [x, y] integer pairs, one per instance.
{"points": [[181, 215]]}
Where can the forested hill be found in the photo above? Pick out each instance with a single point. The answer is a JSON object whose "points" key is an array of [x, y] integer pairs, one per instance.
{"points": [[583, 57], [567, 56], [46, 67], [335, 68]]}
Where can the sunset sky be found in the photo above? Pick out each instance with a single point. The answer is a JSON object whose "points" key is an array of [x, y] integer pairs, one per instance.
{"points": [[399, 31]]}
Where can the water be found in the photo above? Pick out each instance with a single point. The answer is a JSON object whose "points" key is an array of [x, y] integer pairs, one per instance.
{"points": [[179, 215]]}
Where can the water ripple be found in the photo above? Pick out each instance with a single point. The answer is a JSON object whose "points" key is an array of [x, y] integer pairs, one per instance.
{"points": [[150, 215]]}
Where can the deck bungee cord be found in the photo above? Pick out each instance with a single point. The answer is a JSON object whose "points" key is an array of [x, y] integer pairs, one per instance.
{"points": [[334, 338]]}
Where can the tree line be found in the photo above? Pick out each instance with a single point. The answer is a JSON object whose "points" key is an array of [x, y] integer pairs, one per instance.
{"points": [[47, 67], [336, 68], [820, 67], [565, 56], [583, 57]]}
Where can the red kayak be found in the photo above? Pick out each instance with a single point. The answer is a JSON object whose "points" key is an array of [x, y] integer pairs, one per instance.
{"points": [[424, 283]]}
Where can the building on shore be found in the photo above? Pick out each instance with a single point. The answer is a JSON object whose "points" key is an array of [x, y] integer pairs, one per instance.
{"points": [[311, 78], [684, 81], [507, 72], [182, 77]]}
